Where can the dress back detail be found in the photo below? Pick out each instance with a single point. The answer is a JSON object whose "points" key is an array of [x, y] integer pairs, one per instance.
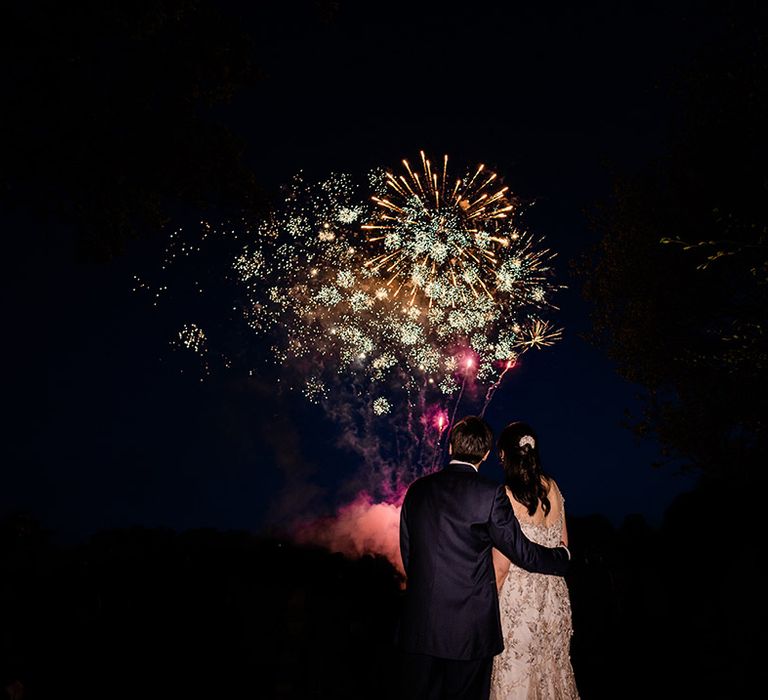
{"points": [[536, 622]]}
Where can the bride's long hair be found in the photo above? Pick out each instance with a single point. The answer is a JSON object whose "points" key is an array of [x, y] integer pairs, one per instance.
{"points": [[518, 448]]}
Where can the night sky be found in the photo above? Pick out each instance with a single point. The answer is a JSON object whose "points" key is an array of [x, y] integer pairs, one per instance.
{"points": [[107, 431]]}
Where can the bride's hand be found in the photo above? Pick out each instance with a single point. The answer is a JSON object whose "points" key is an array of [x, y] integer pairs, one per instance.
{"points": [[500, 566]]}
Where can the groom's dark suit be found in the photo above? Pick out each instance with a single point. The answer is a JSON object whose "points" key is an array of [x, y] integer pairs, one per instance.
{"points": [[449, 523]]}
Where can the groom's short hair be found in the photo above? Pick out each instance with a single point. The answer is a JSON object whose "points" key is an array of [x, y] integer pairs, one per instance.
{"points": [[470, 439]]}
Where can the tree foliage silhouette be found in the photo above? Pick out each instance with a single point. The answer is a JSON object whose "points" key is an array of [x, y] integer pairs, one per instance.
{"points": [[678, 278], [109, 121]]}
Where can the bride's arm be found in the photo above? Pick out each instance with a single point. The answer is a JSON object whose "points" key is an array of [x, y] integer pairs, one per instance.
{"points": [[500, 566], [561, 504]]}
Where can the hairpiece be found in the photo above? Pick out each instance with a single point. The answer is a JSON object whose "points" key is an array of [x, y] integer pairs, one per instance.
{"points": [[527, 440]]}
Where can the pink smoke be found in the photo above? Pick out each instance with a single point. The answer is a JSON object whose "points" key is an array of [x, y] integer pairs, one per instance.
{"points": [[360, 527]]}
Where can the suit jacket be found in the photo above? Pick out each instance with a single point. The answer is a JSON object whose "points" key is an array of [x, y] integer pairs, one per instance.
{"points": [[449, 522]]}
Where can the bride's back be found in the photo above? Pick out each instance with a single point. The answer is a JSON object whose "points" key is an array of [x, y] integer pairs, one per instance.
{"points": [[542, 528]]}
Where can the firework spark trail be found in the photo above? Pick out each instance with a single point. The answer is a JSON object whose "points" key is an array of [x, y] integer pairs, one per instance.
{"points": [[467, 367], [492, 389], [437, 450], [423, 441]]}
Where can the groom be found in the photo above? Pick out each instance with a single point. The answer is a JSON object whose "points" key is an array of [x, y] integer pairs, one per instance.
{"points": [[450, 628]]}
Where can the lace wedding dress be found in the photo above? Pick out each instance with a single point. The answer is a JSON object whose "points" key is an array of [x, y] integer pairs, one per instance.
{"points": [[536, 623]]}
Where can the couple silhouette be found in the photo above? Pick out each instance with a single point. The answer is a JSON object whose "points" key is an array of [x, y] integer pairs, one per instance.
{"points": [[486, 611]]}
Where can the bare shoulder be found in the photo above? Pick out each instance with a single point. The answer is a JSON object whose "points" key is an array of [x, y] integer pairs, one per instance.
{"points": [[520, 510], [553, 490], [549, 484]]}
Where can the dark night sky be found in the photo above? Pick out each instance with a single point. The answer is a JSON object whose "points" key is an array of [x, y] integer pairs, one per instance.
{"points": [[555, 96]]}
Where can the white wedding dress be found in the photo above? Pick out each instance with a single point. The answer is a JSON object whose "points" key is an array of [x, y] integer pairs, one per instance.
{"points": [[536, 621]]}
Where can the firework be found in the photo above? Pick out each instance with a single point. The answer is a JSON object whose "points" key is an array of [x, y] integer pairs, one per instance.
{"points": [[401, 295], [398, 287], [439, 239]]}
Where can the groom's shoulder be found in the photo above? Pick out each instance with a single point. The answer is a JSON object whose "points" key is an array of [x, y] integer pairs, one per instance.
{"points": [[423, 481], [487, 484], [476, 482]]}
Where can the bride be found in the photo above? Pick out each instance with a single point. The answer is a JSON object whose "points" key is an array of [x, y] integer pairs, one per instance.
{"points": [[535, 608]]}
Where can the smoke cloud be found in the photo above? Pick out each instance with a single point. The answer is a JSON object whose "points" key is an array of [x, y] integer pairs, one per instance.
{"points": [[361, 527]]}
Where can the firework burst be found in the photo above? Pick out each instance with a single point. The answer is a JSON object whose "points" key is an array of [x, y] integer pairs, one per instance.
{"points": [[436, 239], [404, 297], [397, 288], [418, 296]]}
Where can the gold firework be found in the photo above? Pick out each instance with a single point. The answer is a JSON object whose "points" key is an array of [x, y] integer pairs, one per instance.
{"points": [[439, 238], [540, 334]]}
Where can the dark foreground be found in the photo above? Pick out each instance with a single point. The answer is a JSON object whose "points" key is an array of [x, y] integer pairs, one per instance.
{"points": [[146, 613]]}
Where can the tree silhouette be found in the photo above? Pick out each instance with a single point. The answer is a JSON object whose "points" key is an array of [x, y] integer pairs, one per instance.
{"points": [[678, 278], [109, 122]]}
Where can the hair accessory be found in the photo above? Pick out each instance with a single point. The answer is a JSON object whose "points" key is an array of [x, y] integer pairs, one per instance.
{"points": [[527, 440]]}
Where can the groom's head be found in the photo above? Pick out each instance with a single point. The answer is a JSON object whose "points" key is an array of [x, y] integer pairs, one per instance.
{"points": [[471, 440]]}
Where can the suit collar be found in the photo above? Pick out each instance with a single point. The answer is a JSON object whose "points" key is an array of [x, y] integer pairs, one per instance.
{"points": [[460, 467]]}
